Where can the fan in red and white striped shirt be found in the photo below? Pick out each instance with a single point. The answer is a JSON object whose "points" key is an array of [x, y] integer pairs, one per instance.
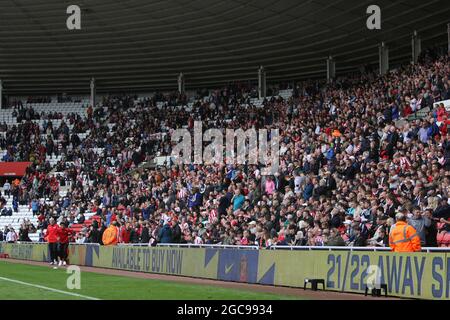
{"points": [[182, 193], [213, 215], [404, 163]]}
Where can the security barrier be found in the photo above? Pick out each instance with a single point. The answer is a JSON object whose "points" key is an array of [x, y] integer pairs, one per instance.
{"points": [[423, 275]]}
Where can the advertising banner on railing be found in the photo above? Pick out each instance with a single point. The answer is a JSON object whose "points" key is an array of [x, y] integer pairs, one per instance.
{"points": [[415, 275], [28, 251], [13, 169]]}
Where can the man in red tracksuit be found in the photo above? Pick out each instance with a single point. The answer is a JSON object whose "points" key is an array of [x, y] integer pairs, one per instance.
{"points": [[64, 233], [52, 238]]}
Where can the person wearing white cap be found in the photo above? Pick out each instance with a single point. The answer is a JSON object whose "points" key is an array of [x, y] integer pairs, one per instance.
{"points": [[299, 239]]}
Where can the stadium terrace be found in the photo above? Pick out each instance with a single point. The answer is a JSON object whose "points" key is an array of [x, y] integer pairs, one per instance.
{"points": [[353, 154]]}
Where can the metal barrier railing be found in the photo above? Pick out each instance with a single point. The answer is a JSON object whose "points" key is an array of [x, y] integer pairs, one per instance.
{"points": [[191, 245], [304, 248], [223, 246]]}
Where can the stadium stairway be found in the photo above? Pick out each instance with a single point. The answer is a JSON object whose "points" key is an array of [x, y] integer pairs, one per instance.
{"points": [[18, 217], [25, 212], [63, 108], [285, 94]]}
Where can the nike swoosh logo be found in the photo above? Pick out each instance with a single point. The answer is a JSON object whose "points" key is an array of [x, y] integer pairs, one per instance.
{"points": [[228, 268]]}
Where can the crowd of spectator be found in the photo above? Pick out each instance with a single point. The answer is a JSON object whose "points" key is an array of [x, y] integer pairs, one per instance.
{"points": [[10, 235], [349, 161]]}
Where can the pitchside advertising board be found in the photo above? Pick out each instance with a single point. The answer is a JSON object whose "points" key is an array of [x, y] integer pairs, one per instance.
{"points": [[415, 275]]}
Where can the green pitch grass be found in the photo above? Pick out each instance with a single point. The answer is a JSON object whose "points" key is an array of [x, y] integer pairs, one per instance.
{"points": [[108, 287]]}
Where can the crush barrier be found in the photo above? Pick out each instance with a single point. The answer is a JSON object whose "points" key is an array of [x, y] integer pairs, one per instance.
{"points": [[424, 275]]}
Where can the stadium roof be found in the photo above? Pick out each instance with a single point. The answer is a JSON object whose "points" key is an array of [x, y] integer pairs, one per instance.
{"points": [[143, 44]]}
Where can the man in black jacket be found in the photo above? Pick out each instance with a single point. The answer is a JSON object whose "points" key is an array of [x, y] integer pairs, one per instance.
{"points": [[446, 148], [359, 240], [23, 234], [94, 233], [176, 232], [145, 235], [431, 231], [224, 203], [336, 220], [330, 182], [391, 206], [134, 235]]}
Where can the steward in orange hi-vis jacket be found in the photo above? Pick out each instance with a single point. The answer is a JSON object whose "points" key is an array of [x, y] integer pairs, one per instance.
{"points": [[403, 237], [111, 235]]}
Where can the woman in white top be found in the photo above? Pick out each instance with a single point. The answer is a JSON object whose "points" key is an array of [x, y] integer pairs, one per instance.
{"points": [[7, 188], [11, 236]]}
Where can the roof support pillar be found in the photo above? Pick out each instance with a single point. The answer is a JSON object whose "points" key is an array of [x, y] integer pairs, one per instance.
{"points": [[1, 94], [416, 46], [93, 92], [181, 83], [261, 82], [448, 36], [383, 52], [331, 69]]}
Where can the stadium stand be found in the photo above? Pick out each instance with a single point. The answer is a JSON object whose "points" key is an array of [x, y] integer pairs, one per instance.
{"points": [[353, 153]]}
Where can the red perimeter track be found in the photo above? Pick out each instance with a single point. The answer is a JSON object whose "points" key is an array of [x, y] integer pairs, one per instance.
{"points": [[287, 291]]}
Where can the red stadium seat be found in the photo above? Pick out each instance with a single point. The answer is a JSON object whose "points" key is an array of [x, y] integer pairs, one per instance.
{"points": [[76, 227], [443, 239]]}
